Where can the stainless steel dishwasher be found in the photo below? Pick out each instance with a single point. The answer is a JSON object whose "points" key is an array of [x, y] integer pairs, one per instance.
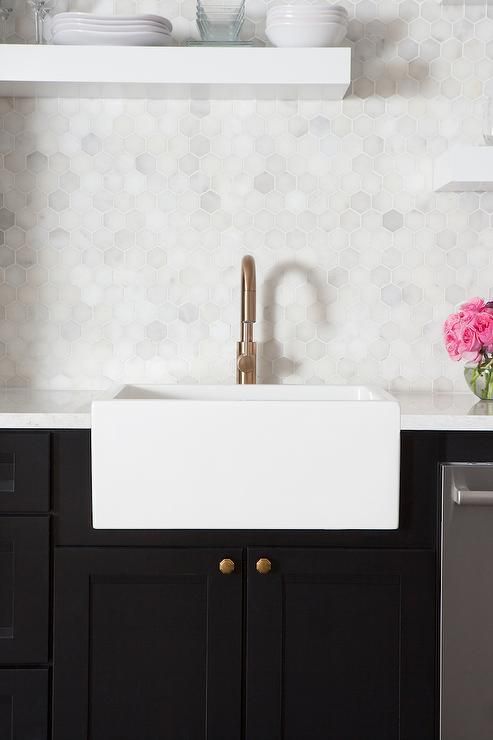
{"points": [[467, 602]]}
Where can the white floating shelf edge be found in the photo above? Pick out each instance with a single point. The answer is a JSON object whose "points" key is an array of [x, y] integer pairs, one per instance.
{"points": [[176, 72], [464, 168]]}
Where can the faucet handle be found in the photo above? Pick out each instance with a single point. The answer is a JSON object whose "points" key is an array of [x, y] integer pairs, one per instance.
{"points": [[246, 363]]}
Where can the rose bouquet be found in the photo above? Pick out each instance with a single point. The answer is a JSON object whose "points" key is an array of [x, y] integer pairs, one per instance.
{"points": [[468, 336]]}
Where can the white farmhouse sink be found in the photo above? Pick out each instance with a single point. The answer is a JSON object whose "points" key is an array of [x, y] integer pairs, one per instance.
{"points": [[246, 457]]}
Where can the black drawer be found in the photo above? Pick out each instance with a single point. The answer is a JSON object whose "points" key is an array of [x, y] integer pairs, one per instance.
{"points": [[24, 590], [23, 704], [24, 471]]}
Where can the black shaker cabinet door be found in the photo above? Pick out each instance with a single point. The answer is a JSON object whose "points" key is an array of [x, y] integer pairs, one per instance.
{"points": [[24, 589], [341, 644], [23, 704], [147, 645], [24, 471]]}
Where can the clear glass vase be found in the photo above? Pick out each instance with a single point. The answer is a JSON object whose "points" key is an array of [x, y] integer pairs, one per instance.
{"points": [[479, 378], [41, 10], [5, 14], [488, 121]]}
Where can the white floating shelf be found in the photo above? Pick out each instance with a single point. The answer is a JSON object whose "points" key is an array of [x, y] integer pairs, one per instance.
{"points": [[465, 2], [464, 168], [173, 72]]}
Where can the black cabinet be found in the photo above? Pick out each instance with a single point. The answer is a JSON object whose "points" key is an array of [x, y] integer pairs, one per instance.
{"points": [[341, 644], [24, 589], [151, 640], [24, 585], [24, 471], [148, 644], [23, 704]]}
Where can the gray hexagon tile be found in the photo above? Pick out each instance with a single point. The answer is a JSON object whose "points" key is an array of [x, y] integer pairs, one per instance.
{"points": [[123, 223]]}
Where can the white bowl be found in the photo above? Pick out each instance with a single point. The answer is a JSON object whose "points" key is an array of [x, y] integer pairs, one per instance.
{"points": [[319, 6], [304, 23], [311, 16], [306, 19], [315, 7], [307, 35], [275, 12], [307, 11]]}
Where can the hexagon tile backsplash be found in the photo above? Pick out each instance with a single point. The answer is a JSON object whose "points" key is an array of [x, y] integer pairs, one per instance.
{"points": [[124, 222]]}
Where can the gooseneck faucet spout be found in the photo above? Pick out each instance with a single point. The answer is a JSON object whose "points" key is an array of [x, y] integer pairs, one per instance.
{"points": [[246, 348]]}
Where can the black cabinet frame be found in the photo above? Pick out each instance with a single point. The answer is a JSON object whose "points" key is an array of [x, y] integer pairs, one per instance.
{"points": [[24, 595]]}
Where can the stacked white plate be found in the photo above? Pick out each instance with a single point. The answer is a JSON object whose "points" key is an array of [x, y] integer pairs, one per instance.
{"points": [[305, 24], [103, 30]]}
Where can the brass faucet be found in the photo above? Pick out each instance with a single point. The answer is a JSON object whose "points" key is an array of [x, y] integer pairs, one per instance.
{"points": [[246, 348]]}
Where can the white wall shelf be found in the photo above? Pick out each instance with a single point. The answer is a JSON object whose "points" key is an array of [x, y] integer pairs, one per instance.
{"points": [[466, 2], [464, 168], [173, 72]]}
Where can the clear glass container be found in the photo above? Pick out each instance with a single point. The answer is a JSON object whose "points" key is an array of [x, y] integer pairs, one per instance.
{"points": [[5, 14], [488, 121], [41, 10], [479, 378], [220, 21]]}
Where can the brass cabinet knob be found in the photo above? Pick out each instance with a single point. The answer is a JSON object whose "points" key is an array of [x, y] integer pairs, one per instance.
{"points": [[226, 566], [263, 566]]}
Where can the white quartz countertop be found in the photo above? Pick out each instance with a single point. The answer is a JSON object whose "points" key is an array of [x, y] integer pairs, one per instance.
{"points": [[40, 409], [34, 409], [445, 412]]}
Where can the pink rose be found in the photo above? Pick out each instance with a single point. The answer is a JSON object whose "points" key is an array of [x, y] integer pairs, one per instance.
{"points": [[474, 304], [469, 344], [451, 320], [484, 329], [468, 334], [461, 338], [467, 317], [451, 334], [452, 345]]}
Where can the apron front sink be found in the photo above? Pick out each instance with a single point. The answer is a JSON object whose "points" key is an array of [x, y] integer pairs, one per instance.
{"points": [[246, 457]]}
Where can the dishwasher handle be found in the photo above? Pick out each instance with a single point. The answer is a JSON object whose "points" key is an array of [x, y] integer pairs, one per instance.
{"points": [[464, 497]]}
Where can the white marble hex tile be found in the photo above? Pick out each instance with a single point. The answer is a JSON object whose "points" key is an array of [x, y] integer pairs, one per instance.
{"points": [[123, 223]]}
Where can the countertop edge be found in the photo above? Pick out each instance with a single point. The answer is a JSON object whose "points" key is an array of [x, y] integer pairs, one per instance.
{"points": [[442, 423], [409, 422], [44, 420], [433, 412]]}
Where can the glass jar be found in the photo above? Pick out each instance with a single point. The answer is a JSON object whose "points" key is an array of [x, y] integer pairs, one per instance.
{"points": [[220, 20], [479, 378], [5, 14], [488, 121]]}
